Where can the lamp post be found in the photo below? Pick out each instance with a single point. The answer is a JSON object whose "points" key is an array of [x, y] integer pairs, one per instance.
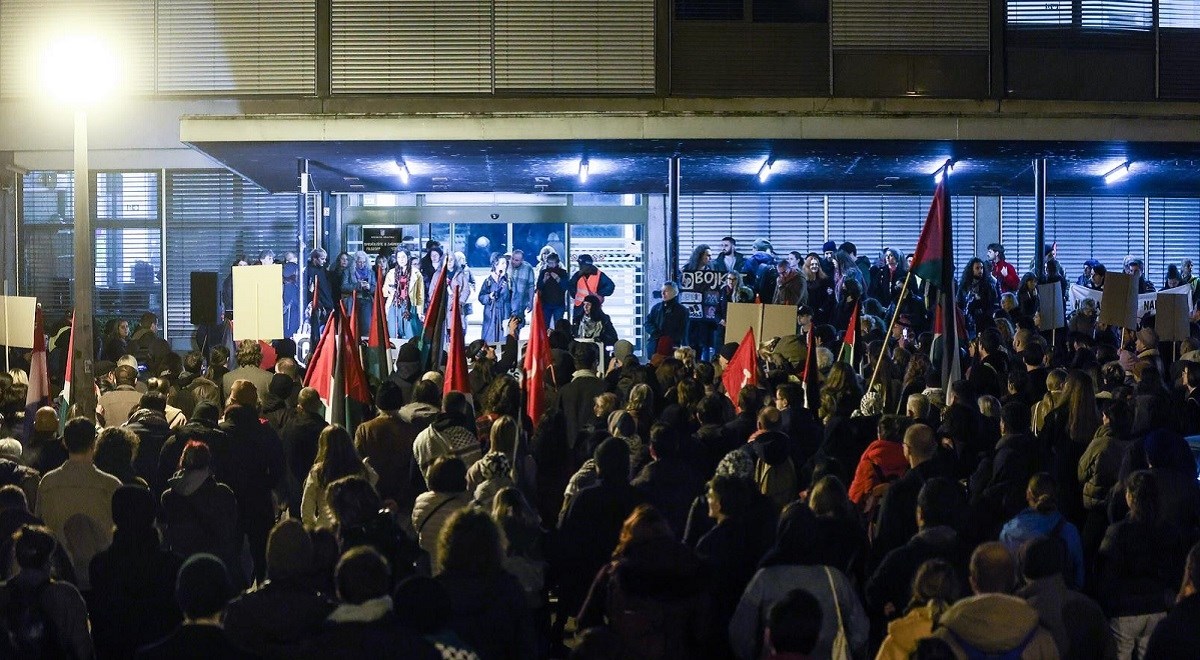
{"points": [[79, 70]]}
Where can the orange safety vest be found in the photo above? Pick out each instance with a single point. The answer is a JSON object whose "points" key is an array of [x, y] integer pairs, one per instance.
{"points": [[588, 285]]}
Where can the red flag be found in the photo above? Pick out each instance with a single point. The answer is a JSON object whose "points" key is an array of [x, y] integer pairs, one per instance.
{"points": [[742, 370], [322, 368], [376, 354], [65, 398], [850, 339], [456, 363], [537, 360], [812, 374], [433, 333], [350, 369]]}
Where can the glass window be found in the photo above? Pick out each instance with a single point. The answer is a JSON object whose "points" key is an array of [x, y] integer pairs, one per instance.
{"points": [[530, 238], [618, 252], [1179, 14]]}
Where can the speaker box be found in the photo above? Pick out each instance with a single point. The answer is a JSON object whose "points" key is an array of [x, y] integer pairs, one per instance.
{"points": [[204, 298]]}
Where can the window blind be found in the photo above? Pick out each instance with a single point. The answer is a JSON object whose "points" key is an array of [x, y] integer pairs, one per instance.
{"points": [[213, 218], [411, 46], [27, 26], [1174, 225], [1103, 228], [1103, 15], [46, 253], [1118, 14], [237, 47], [1039, 13], [1179, 14], [910, 25], [128, 245], [575, 45]]}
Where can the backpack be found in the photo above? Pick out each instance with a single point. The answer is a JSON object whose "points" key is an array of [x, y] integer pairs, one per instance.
{"points": [[28, 631]]}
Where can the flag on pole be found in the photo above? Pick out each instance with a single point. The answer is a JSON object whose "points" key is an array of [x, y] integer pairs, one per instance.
{"points": [[456, 363], [335, 372], [433, 334], [849, 350], [65, 398], [934, 262], [742, 370], [537, 360], [375, 357], [38, 394], [812, 374]]}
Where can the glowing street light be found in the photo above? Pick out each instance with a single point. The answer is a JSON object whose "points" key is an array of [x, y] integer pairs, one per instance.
{"points": [[79, 71]]}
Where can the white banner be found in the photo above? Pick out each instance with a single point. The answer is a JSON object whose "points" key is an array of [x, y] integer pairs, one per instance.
{"points": [[1076, 294]]}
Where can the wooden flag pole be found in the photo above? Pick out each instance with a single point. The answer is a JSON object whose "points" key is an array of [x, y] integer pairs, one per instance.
{"points": [[891, 326]]}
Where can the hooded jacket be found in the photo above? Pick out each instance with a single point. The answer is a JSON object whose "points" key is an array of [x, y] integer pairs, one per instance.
{"points": [[995, 624], [448, 435], [883, 461], [1030, 524], [1100, 466], [1076, 622], [904, 633], [152, 429], [200, 515]]}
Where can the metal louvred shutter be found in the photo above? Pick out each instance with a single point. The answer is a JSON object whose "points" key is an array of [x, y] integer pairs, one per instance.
{"points": [[1103, 228], [1174, 225], [1179, 14], [213, 218], [873, 222], [1118, 14], [962, 214], [575, 45], [46, 254], [412, 46], [910, 25], [237, 47], [789, 221], [27, 26]]}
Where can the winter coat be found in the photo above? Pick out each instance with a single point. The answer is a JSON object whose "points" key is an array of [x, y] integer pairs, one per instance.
{"points": [[998, 486], [1100, 466], [670, 484], [1139, 566], [313, 512], [1076, 622], [973, 621], [132, 602], [904, 633], [151, 428], [172, 451], [655, 598], [1030, 524], [446, 436], [382, 441], [892, 581], [257, 465], [882, 462], [430, 513], [489, 613], [199, 514], [1180, 630], [495, 311], [771, 585], [76, 502], [273, 618]]}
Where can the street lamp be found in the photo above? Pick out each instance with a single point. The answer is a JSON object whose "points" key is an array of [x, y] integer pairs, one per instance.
{"points": [[78, 71]]}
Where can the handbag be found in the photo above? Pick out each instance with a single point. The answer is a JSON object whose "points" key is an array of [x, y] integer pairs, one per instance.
{"points": [[841, 646]]}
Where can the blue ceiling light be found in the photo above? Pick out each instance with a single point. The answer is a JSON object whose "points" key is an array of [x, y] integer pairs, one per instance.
{"points": [[764, 172], [1118, 173], [402, 171], [584, 166], [942, 171]]}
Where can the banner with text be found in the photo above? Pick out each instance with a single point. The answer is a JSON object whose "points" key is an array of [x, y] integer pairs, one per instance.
{"points": [[1145, 301], [700, 293]]}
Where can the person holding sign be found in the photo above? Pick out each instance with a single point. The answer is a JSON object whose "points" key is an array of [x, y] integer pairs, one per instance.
{"points": [[699, 285]]}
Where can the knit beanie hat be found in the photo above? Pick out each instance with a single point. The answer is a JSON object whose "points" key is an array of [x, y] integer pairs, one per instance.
{"points": [[205, 410], [133, 508], [728, 350], [281, 386]]}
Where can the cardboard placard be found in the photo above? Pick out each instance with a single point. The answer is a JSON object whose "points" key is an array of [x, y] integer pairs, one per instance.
{"points": [[1118, 304], [1171, 317], [768, 321], [258, 302], [1050, 306], [16, 321]]}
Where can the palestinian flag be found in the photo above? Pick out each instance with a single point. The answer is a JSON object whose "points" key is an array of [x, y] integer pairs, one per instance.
{"points": [[65, 398], [812, 375], [38, 394], [456, 364], [335, 372], [433, 334], [849, 350], [934, 261], [537, 360], [375, 355], [742, 370]]}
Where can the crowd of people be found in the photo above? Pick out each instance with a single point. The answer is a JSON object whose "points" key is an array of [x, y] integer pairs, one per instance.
{"points": [[1045, 505]]}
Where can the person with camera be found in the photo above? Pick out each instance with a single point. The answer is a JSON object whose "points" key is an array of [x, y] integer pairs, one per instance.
{"points": [[359, 282]]}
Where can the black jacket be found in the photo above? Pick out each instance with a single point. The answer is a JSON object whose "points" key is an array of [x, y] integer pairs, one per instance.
{"points": [[892, 580], [202, 518], [897, 521], [1180, 630], [667, 319], [193, 642], [1139, 567], [132, 600], [576, 399], [997, 488], [490, 614], [670, 484], [277, 617], [152, 429], [257, 463], [172, 451]]}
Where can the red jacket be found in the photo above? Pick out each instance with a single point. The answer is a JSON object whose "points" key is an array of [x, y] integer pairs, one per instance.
{"points": [[1006, 276], [882, 461]]}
